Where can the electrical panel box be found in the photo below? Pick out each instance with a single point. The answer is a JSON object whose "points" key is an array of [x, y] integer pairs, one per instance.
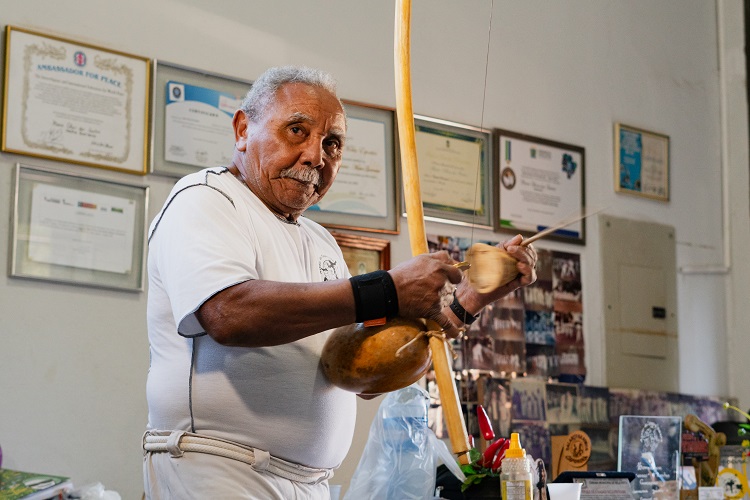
{"points": [[639, 282]]}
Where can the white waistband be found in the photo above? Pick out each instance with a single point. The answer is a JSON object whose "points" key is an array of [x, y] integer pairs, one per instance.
{"points": [[178, 442]]}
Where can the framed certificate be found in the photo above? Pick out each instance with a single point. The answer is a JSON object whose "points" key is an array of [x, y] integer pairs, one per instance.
{"points": [[454, 171], [74, 102], [78, 230], [641, 162], [364, 196], [364, 254], [539, 183], [192, 118]]}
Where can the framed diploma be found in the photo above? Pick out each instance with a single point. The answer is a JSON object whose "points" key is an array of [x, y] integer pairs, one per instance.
{"points": [[454, 171], [192, 118], [364, 254], [78, 230], [641, 162], [539, 183], [364, 196], [74, 102]]}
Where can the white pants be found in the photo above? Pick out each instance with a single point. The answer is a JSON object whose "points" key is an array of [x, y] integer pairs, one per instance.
{"points": [[200, 476]]}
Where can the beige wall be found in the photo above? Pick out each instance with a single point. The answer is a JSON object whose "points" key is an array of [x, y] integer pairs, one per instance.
{"points": [[73, 360]]}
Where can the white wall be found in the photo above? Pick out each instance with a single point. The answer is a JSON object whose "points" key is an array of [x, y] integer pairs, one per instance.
{"points": [[73, 360]]}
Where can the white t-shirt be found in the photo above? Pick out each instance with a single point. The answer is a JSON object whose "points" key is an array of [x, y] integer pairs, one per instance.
{"points": [[211, 234]]}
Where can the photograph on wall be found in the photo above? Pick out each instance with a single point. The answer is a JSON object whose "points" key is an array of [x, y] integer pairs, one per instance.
{"points": [[535, 439], [506, 326], [479, 349], [593, 405], [624, 402], [603, 455], [566, 277], [568, 305], [435, 418], [562, 404], [528, 399], [538, 320], [541, 361], [538, 296], [539, 327], [535, 330], [497, 404]]}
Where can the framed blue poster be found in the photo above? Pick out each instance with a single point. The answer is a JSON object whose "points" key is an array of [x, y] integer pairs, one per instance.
{"points": [[641, 162]]}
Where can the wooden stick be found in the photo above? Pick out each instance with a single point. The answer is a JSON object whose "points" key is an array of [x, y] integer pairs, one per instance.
{"points": [[415, 216], [559, 225]]}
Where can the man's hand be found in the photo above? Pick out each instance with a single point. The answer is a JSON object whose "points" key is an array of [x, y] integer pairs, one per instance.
{"points": [[420, 284], [526, 256]]}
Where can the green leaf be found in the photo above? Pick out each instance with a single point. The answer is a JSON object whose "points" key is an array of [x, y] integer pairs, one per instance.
{"points": [[468, 469], [475, 479]]}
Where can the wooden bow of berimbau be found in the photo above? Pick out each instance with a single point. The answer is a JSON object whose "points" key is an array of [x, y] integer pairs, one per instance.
{"points": [[415, 215]]}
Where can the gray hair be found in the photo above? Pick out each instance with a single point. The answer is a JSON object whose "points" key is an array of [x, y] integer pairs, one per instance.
{"points": [[264, 88]]}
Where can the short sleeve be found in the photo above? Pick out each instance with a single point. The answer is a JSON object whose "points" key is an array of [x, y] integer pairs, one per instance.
{"points": [[200, 247]]}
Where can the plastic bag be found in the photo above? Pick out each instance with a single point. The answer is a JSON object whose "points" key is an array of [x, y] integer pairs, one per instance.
{"points": [[94, 491], [401, 455]]}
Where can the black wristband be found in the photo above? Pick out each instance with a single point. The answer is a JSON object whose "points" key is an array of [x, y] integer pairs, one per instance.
{"points": [[462, 313], [375, 297]]}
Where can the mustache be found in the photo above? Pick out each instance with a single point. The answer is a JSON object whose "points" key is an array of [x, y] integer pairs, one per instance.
{"points": [[307, 175]]}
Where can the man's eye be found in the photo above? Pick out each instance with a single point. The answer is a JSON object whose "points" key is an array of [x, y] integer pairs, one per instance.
{"points": [[333, 146], [295, 129]]}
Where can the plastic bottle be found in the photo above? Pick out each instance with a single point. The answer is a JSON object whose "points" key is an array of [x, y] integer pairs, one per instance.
{"points": [[515, 479]]}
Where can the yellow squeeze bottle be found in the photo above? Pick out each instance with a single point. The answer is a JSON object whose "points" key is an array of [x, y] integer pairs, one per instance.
{"points": [[515, 479]]}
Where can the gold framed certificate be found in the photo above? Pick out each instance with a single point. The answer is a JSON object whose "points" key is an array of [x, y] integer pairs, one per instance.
{"points": [[74, 102], [454, 171], [364, 254]]}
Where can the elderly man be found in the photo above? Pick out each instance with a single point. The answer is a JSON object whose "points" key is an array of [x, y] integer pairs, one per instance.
{"points": [[244, 291]]}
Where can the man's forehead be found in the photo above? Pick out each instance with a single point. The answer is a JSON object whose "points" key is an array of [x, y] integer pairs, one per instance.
{"points": [[311, 105]]}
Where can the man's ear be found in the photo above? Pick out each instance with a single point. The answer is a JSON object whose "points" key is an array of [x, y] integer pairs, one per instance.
{"points": [[239, 122]]}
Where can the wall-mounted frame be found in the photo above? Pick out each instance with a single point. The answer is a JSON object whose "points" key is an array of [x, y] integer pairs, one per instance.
{"points": [[641, 162], [364, 196], [78, 230], [539, 183], [454, 171], [75, 102], [364, 254], [192, 118]]}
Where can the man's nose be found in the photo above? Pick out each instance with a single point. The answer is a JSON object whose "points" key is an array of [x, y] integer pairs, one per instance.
{"points": [[312, 154]]}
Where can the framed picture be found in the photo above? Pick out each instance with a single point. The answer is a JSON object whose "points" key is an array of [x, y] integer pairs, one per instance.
{"points": [[74, 102], [192, 118], [454, 171], [364, 196], [539, 183], [364, 254], [641, 162], [72, 229]]}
